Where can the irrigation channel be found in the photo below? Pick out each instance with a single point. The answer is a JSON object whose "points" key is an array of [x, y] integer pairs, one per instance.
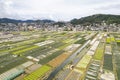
{"points": [[53, 74]]}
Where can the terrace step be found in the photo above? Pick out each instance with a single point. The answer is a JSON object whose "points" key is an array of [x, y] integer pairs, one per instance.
{"points": [[92, 73], [91, 78]]}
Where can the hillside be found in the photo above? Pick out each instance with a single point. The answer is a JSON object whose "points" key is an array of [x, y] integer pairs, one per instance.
{"points": [[8, 20], [97, 18]]}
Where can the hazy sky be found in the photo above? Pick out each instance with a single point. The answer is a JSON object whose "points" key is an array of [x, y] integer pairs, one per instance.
{"points": [[56, 9]]}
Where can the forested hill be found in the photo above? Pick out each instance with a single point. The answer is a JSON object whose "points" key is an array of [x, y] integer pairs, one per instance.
{"points": [[97, 18], [8, 20]]}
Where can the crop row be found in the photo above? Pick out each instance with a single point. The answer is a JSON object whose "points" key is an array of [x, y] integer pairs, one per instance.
{"points": [[38, 73], [26, 49], [108, 62], [50, 57], [99, 52], [82, 65]]}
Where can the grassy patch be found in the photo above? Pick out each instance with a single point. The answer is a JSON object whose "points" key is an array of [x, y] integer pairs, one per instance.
{"points": [[99, 52], [38, 73], [82, 65], [25, 50], [108, 39]]}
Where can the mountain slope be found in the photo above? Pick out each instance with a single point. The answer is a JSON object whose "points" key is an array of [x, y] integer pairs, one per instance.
{"points": [[7, 20], [97, 18]]}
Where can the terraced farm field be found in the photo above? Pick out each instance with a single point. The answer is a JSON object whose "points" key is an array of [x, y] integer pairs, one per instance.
{"points": [[63, 55], [47, 59], [82, 65], [58, 60], [116, 51], [25, 50], [99, 52], [38, 73]]}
